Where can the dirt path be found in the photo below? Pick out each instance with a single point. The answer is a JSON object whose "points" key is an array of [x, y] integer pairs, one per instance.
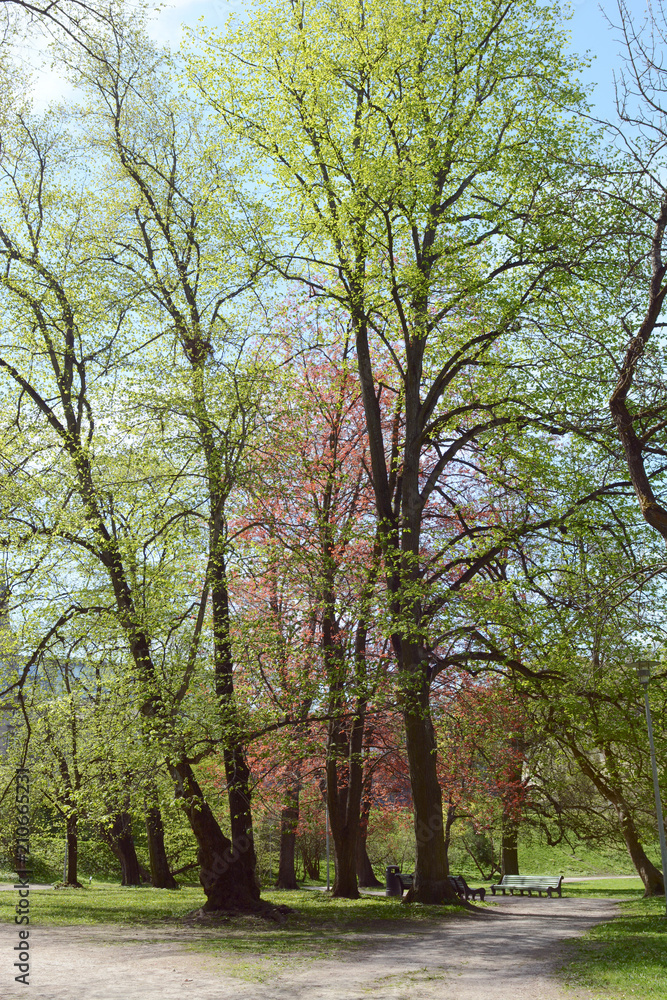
{"points": [[508, 953]]}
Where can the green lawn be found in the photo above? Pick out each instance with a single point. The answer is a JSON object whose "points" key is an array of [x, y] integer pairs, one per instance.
{"points": [[626, 957], [318, 924]]}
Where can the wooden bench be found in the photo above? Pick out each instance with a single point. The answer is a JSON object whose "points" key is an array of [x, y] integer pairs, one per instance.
{"points": [[405, 880], [461, 887], [529, 884]]}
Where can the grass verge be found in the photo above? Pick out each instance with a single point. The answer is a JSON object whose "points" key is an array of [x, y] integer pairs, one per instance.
{"points": [[626, 957]]}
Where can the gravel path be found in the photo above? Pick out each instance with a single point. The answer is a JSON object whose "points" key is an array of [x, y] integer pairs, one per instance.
{"points": [[509, 952]]}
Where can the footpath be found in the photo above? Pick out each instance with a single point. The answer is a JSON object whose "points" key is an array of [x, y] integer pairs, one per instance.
{"points": [[511, 951]]}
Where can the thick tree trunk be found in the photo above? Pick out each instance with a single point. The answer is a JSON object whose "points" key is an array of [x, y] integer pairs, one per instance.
{"points": [[230, 883], [345, 850], [120, 840], [510, 849], [289, 821], [72, 851], [161, 876], [431, 884]]}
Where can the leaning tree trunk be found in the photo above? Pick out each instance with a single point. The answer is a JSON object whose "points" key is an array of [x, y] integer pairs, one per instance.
{"points": [[650, 875], [161, 876], [366, 877], [289, 821], [229, 883]]}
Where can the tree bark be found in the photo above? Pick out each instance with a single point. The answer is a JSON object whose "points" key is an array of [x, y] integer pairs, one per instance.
{"points": [[289, 821], [431, 884], [228, 883], [365, 875], [650, 875], [161, 876], [119, 838], [344, 771], [452, 816], [73, 851], [509, 864]]}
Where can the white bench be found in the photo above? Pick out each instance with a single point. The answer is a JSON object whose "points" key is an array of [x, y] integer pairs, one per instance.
{"points": [[529, 884]]}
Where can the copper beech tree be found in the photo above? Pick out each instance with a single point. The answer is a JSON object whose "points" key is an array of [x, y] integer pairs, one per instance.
{"points": [[311, 528]]}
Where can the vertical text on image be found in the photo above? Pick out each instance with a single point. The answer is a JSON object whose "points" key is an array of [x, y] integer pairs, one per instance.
{"points": [[22, 884]]}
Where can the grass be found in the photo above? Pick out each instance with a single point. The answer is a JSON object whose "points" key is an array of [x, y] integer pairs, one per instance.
{"points": [[104, 903], [626, 957], [319, 925]]}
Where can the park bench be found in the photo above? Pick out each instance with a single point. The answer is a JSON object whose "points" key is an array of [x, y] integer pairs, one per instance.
{"points": [[462, 888], [529, 884], [398, 881]]}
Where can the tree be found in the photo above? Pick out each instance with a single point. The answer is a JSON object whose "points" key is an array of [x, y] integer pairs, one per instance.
{"points": [[48, 290], [576, 610], [636, 189], [423, 161], [310, 516]]}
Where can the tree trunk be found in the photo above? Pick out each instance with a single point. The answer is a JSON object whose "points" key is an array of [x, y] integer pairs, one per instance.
{"points": [[431, 884], [345, 852], [237, 771], [229, 883], [650, 875], [72, 851], [365, 874], [120, 840], [512, 797], [344, 786], [289, 820], [510, 849], [161, 876], [449, 822]]}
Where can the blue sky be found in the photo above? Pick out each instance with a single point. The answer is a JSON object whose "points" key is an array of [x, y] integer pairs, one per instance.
{"points": [[591, 32], [589, 28]]}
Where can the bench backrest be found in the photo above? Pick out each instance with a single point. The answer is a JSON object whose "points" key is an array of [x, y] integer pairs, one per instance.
{"points": [[517, 881]]}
